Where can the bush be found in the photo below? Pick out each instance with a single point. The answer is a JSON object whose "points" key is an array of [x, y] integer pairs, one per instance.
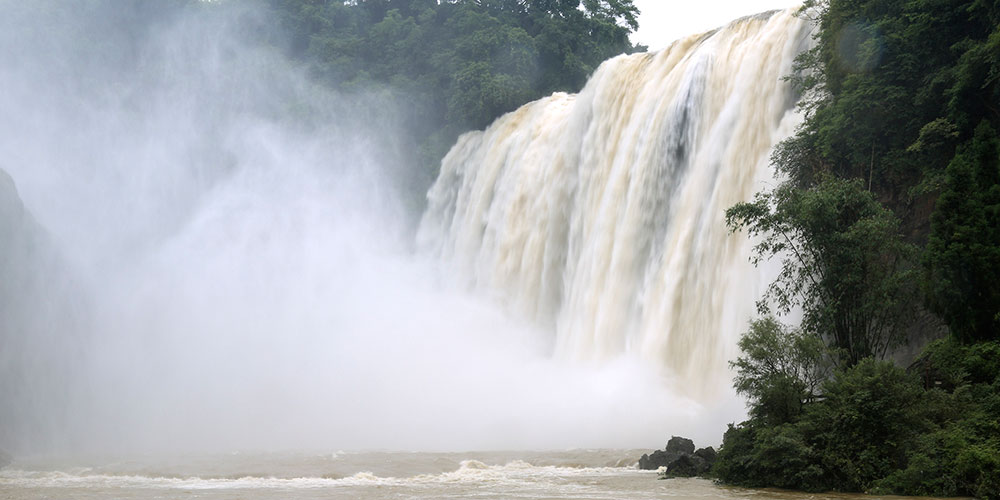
{"points": [[781, 368], [977, 469], [734, 462], [871, 428], [870, 413]]}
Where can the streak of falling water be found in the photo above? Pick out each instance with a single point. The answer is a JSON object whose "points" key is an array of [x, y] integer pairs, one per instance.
{"points": [[601, 214]]}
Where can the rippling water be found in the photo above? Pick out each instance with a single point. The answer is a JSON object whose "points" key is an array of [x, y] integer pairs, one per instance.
{"points": [[591, 474]]}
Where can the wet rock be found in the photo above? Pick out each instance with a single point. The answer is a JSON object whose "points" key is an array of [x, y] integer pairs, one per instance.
{"points": [[679, 459], [676, 447], [654, 461], [686, 466], [680, 446], [709, 454], [5, 459]]}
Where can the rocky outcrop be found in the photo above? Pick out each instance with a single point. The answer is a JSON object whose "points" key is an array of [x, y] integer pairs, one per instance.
{"points": [[676, 448], [679, 459]]}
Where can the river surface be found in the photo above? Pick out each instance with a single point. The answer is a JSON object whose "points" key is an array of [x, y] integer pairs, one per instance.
{"points": [[589, 474]]}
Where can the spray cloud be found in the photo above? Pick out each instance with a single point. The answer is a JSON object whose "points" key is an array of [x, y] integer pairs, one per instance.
{"points": [[227, 264]]}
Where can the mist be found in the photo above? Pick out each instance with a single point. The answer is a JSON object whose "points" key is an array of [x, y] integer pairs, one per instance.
{"points": [[222, 258]]}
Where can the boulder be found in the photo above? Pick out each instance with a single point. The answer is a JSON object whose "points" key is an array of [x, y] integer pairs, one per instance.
{"points": [[709, 454], [686, 466], [676, 447], [679, 459], [654, 461], [680, 446]]}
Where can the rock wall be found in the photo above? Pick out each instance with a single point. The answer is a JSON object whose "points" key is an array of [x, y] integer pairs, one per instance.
{"points": [[40, 325]]}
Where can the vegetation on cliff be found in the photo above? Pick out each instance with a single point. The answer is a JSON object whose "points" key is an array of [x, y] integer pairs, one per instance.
{"points": [[425, 71], [888, 226], [456, 65]]}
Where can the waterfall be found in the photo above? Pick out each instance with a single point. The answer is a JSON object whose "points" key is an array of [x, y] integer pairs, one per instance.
{"points": [[600, 215]]}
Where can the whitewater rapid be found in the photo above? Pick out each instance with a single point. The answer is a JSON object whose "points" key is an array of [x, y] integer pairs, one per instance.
{"points": [[600, 215], [574, 474]]}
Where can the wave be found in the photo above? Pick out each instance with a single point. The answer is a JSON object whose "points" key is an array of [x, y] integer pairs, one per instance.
{"points": [[468, 472]]}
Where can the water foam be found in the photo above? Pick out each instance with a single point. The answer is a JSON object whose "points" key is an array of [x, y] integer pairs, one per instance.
{"points": [[600, 215], [516, 472]]}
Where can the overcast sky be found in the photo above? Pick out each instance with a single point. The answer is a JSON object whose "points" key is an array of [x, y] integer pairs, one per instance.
{"points": [[663, 21]]}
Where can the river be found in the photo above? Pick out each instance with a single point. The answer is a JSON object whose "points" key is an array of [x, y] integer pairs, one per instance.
{"points": [[577, 474]]}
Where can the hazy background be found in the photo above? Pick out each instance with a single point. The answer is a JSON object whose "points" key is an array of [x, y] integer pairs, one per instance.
{"points": [[214, 256], [663, 21]]}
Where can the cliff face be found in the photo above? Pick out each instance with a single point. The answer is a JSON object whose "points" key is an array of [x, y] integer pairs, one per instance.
{"points": [[40, 325], [18, 246]]}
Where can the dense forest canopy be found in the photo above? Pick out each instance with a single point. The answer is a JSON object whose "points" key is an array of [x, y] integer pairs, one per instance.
{"points": [[434, 69], [454, 66]]}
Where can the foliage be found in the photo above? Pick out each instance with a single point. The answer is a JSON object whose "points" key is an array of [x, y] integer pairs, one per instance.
{"points": [[780, 370], [869, 415], [881, 71], [875, 428], [898, 149], [457, 65], [905, 94], [761, 456], [963, 275], [961, 455], [843, 262]]}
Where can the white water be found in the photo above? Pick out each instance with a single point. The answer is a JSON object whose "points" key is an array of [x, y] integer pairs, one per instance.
{"points": [[575, 474], [245, 276], [579, 474], [242, 267], [601, 215]]}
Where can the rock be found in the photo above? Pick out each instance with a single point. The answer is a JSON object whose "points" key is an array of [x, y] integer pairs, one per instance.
{"points": [[687, 466], [708, 454], [657, 459], [679, 459], [5, 459], [676, 448], [680, 446]]}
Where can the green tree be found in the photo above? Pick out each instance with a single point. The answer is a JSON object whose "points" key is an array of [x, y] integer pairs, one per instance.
{"points": [[962, 259], [869, 415], [902, 97], [843, 261], [882, 70], [779, 370], [492, 69], [761, 456], [448, 67]]}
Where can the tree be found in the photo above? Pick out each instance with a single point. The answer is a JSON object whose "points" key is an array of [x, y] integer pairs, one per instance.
{"points": [[900, 100], [962, 260], [492, 68], [447, 67], [760, 456], [779, 370], [878, 73], [843, 261], [868, 419]]}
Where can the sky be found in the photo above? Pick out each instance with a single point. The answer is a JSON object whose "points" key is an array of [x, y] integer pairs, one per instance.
{"points": [[663, 21]]}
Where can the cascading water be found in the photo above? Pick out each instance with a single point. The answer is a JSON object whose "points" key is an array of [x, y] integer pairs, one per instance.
{"points": [[225, 265], [600, 214]]}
